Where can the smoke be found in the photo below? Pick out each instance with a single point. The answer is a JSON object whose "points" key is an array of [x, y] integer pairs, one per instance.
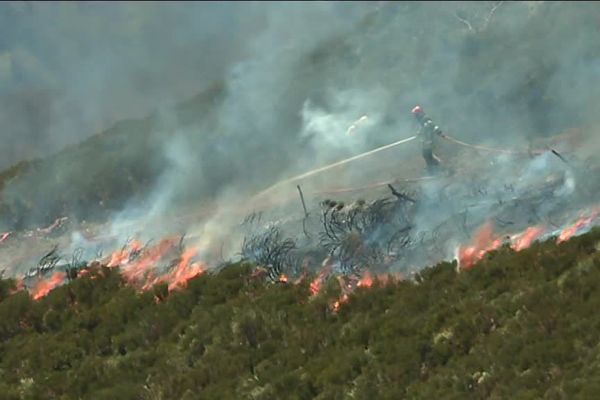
{"points": [[294, 78], [70, 70], [345, 125]]}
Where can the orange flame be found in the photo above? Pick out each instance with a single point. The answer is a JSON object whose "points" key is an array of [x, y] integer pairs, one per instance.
{"points": [[366, 281], [82, 272], [19, 286], [45, 286], [572, 230], [135, 245], [178, 277], [527, 238], [4, 236], [139, 269], [184, 271], [121, 257], [117, 258], [347, 288], [483, 242], [338, 304], [317, 283]]}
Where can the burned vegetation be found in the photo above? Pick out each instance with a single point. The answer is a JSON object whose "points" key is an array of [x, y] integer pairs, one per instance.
{"points": [[270, 251], [363, 235], [356, 237], [421, 222], [520, 325]]}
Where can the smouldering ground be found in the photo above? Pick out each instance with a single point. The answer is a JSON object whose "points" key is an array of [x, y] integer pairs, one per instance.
{"points": [[364, 179]]}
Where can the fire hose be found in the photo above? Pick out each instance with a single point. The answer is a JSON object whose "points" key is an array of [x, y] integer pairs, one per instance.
{"points": [[331, 166], [452, 140], [377, 184], [493, 149], [384, 183]]}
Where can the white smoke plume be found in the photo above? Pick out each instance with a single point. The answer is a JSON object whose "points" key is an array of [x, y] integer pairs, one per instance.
{"points": [[294, 78]]}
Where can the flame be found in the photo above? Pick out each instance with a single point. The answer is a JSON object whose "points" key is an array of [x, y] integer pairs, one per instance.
{"points": [[117, 258], [178, 277], [366, 281], [483, 243], [527, 238], [56, 224], [82, 272], [121, 257], [317, 283], [135, 245], [580, 224], [19, 286], [45, 286], [139, 270], [4, 236], [190, 272], [347, 288], [338, 304], [184, 270]]}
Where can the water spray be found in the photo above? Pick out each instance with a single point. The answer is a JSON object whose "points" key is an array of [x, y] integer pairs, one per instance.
{"points": [[331, 166]]}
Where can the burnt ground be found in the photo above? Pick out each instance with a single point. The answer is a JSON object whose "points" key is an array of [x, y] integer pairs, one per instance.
{"points": [[476, 186]]}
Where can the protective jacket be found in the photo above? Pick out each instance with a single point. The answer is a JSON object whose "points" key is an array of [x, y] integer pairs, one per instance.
{"points": [[427, 134]]}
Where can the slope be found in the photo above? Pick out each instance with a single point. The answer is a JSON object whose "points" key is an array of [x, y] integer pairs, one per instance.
{"points": [[517, 325]]}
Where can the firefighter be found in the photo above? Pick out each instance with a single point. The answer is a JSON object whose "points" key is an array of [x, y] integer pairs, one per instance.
{"points": [[428, 133]]}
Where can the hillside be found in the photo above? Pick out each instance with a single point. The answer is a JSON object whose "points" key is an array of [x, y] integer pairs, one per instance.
{"points": [[287, 109], [219, 249], [519, 325], [98, 176]]}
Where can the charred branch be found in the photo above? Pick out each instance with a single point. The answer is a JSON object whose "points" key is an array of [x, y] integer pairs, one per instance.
{"points": [[362, 235], [401, 196], [77, 259], [48, 262], [252, 219], [181, 245], [99, 253], [399, 241], [557, 154], [76, 264], [269, 250], [502, 222]]}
